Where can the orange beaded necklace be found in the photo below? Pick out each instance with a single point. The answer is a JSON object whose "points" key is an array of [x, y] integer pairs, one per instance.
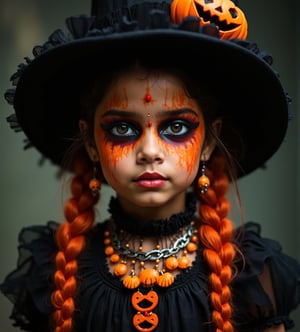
{"points": [[154, 267]]}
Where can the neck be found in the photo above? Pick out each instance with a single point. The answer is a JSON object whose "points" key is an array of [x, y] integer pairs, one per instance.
{"points": [[155, 225], [145, 213]]}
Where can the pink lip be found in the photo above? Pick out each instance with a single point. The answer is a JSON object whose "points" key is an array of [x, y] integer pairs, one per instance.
{"points": [[151, 180]]}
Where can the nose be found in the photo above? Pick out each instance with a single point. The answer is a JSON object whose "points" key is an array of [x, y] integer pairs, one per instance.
{"points": [[150, 149]]}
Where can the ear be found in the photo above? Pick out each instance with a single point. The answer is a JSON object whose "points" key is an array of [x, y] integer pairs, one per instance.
{"points": [[89, 145], [210, 144]]}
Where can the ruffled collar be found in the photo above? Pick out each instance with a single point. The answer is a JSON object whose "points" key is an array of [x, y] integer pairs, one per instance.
{"points": [[157, 227]]}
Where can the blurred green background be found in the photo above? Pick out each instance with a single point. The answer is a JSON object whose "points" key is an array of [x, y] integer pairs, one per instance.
{"points": [[30, 194]]}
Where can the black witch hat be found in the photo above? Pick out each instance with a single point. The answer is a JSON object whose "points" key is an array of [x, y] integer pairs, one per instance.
{"points": [[205, 38]]}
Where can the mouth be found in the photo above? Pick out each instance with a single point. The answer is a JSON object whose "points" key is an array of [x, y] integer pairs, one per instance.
{"points": [[151, 180]]}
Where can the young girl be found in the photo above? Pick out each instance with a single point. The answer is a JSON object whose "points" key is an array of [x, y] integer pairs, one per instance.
{"points": [[142, 99]]}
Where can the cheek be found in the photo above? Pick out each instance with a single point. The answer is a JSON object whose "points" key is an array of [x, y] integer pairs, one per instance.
{"points": [[187, 154], [113, 158]]}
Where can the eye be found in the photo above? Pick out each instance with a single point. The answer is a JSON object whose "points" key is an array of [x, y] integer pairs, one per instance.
{"points": [[121, 130], [178, 129]]}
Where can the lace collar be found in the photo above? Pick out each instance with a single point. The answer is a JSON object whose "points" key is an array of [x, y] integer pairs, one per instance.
{"points": [[159, 227]]}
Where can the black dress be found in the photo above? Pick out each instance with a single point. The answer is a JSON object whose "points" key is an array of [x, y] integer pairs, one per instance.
{"points": [[103, 304]]}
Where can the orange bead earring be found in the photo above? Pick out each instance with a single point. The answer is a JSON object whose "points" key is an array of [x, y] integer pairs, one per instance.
{"points": [[203, 181], [94, 183]]}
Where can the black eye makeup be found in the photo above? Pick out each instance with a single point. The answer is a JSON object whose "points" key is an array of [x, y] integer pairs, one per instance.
{"points": [[177, 129], [175, 126], [121, 131]]}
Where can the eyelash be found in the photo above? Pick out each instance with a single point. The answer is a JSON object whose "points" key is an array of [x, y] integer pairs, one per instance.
{"points": [[186, 127], [131, 131], [113, 127]]}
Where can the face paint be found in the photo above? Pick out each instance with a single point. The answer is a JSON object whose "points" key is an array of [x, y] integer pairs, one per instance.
{"points": [[177, 99], [117, 100], [148, 99], [164, 136], [177, 136], [185, 147]]}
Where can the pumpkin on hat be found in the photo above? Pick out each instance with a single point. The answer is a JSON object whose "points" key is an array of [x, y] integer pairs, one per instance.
{"points": [[224, 14]]}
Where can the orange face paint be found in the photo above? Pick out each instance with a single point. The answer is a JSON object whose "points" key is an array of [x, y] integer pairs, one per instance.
{"points": [[117, 100], [134, 121], [176, 99], [187, 151]]}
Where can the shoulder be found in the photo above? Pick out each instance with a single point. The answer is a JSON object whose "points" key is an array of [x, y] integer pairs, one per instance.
{"points": [[27, 286], [267, 284], [258, 251]]}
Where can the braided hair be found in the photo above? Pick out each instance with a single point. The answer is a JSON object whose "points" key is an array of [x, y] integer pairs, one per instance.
{"points": [[80, 215]]}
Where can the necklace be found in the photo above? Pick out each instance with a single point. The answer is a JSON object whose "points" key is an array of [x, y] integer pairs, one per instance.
{"points": [[148, 268]]}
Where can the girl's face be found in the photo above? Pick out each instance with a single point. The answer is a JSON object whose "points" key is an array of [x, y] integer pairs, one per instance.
{"points": [[149, 137]]}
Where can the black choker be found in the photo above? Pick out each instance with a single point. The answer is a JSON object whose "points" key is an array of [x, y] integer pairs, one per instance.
{"points": [[160, 227]]}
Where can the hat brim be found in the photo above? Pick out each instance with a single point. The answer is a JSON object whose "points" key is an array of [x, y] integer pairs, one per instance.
{"points": [[251, 95]]}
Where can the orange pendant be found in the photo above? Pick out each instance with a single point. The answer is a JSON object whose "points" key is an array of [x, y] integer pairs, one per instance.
{"points": [[184, 262], [131, 282], [165, 280], [191, 247], [145, 319], [148, 277], [139, 299], [120, 270], [171, 263], [145, 322]]}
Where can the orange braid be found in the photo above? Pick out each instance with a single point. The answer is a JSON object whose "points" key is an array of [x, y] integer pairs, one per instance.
{"points": [[80, 216], [216, 232]]}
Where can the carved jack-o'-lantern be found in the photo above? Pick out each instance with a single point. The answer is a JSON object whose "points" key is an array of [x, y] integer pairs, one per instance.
{"points": [[224, 14], [145, 320]]}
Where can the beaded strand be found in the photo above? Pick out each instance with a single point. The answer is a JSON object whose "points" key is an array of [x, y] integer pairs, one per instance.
{"points": [[118, 249]]}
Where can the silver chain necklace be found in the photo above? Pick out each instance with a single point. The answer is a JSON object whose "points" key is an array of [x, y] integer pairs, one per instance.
{"points": [[155, 254]]}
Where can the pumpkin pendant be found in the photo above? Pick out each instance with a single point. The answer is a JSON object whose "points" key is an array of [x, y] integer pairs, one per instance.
{"points": [[145, 319], [148, 277], [139, 301], [145, 322], [165, 280], [131, 281]]}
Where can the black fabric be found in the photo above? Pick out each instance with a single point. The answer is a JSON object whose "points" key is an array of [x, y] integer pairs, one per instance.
{"points": [[103, 304], [161, 227]]}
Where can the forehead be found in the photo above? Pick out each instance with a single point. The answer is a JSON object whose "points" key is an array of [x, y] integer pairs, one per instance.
{"points": [[141, 79], [162, 90]]}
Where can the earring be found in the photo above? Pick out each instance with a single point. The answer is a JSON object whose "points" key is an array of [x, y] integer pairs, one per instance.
{"points": [[203, 181], [94, 183]]}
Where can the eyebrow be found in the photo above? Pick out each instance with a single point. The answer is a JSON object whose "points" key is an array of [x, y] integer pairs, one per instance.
{"points": [[160, 114], [127, 114], [177, 112]]}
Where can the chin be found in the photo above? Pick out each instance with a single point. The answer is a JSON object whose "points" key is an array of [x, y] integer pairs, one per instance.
{"points": [[159, 200]]}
